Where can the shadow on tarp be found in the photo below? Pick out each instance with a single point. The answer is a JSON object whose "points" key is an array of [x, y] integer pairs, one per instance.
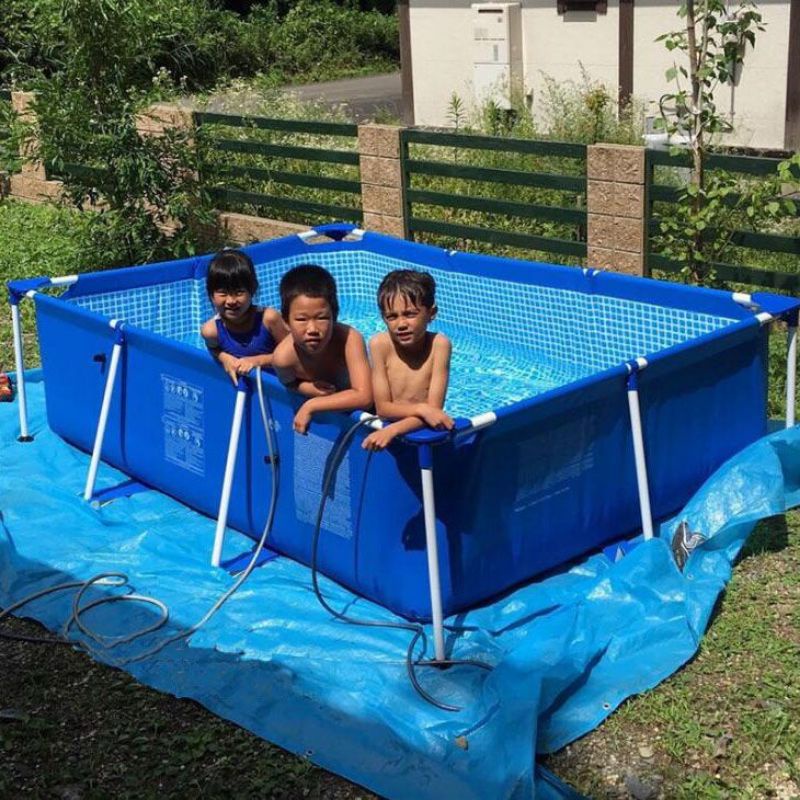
{"points": [[566, 650]]}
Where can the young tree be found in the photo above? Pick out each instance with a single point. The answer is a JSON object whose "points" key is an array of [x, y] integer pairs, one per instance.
{"points": [[714, 42]]}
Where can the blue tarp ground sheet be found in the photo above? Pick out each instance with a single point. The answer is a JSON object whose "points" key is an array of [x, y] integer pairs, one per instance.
{"points": [[566, 650]]}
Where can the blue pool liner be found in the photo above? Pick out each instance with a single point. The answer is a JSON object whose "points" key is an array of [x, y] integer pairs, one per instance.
{"points": [[567, 649]]}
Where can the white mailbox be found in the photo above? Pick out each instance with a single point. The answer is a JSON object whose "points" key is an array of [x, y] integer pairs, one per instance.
{"points": [[497, 51]]}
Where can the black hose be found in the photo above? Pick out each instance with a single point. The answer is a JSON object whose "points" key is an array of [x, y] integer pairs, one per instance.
{"points": [[412, 627]]}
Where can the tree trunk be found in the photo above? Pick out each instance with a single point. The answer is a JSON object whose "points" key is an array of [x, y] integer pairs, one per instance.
{"points": [[696, 138]]}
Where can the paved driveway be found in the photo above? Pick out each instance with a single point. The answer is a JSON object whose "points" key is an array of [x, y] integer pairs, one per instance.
{"points": [[364, 97]]}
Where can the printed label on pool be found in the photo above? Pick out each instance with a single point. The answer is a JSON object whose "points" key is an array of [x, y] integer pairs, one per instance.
{"points": [[311, 454], [182, 419]]}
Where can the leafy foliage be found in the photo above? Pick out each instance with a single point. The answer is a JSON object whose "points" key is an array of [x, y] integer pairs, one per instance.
{"points": [[714, 41], [11, 134], [195, 43], [586, 111], [699, 232], [150, 201]]}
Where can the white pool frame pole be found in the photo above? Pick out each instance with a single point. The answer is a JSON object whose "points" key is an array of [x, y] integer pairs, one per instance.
{"points": [[791, 373], [108, 393], [19, 366], [227, 481], [431, 546], [638, 447]]}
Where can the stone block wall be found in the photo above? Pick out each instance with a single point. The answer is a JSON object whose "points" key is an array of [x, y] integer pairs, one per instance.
{"points": [[615, 190], [381, 179], [615, 200]]}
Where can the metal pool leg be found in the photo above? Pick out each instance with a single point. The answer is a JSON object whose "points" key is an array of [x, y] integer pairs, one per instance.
{"points": [[108, 392], [638, 446], [19, 366], [227, 481], [429, 508], [791, 372]]}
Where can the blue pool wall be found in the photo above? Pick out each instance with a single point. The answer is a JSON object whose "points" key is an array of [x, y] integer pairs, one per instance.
{"points": [[552, 479]]}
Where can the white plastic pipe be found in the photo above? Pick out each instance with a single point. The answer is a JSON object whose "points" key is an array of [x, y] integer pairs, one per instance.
{"points": [[791, 376], [429, 508], [227, 481], [100, 433], [19, 366], [641, 466]]}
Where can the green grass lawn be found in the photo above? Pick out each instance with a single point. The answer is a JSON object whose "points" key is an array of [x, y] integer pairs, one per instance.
{"points": [[725, 726]]}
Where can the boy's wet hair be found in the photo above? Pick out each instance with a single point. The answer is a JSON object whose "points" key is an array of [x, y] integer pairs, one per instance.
{"points": [[309, 280], [231, 271], [416, 287]]}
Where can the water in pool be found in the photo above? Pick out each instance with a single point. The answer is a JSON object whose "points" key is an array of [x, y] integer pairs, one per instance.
{"points": [[485, 373]]}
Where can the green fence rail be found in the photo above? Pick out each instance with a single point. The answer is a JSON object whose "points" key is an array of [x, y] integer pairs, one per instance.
{"points": [[234, 181], [462, 197], [763, 242]]}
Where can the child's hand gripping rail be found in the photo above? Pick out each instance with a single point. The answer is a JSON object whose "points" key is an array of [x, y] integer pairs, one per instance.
{"points": [[17, 290]]}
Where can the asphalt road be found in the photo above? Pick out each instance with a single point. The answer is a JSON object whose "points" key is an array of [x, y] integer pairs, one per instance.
{"points": [[364, 96]]}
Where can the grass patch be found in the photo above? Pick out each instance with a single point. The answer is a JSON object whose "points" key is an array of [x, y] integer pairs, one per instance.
{"points": [[37, 240], [728, 724]]}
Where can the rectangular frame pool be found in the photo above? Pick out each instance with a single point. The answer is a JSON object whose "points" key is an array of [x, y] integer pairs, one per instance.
{"points": [[526, 485]]}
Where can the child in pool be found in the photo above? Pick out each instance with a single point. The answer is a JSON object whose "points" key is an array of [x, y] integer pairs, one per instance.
{"points": [[323, 359], [410, 365], [241, 336]]}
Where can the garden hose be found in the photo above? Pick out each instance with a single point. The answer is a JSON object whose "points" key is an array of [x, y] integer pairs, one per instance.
{"points": [[119, 579], [412, 627]]}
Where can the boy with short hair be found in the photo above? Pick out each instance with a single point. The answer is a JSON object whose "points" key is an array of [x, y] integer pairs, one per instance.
{"points": [[410, 365], [323, 360]]}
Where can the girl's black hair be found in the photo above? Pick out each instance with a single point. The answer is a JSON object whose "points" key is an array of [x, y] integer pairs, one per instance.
{"points": [[231, 270], [312, 281]]}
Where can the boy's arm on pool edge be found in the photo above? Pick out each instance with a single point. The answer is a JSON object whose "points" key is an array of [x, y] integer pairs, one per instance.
{"points": [[440, 373], [359, 395]]}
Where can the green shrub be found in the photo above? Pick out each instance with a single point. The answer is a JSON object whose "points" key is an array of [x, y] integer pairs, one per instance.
{"points": [[319, 39], [145, 189], [586, 111], [10, 137], [196, 43]]}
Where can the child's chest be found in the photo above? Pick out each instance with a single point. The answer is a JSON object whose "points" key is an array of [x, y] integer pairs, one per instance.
{"points": [[330, 367], [409, 382]]}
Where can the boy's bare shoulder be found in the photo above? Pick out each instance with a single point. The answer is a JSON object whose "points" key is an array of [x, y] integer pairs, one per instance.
{"points": [[284, 354], [380, 342], [348, 333], [271, 317], [441, 344], [208, 330]]}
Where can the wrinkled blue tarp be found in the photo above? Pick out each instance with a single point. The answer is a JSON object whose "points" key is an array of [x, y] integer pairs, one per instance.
{"points": [[567, 650]]}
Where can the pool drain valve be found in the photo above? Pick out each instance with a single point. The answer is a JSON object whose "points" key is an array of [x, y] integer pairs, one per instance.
{"points": [[684, 543]]}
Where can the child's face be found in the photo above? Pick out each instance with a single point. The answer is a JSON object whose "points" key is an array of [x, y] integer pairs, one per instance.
{"points": [[407, 323], [311, 323], [232, 305]]}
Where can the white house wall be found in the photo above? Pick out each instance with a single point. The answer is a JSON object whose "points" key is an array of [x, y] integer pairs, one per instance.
{"points": [[559, 45], [441, 39]]}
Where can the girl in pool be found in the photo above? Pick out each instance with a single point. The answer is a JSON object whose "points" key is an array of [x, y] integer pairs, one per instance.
{"points": [[240, 336]]}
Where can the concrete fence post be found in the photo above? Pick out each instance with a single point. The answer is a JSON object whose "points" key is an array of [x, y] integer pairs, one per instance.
{"points": [[615, 195], [381, 179]]}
